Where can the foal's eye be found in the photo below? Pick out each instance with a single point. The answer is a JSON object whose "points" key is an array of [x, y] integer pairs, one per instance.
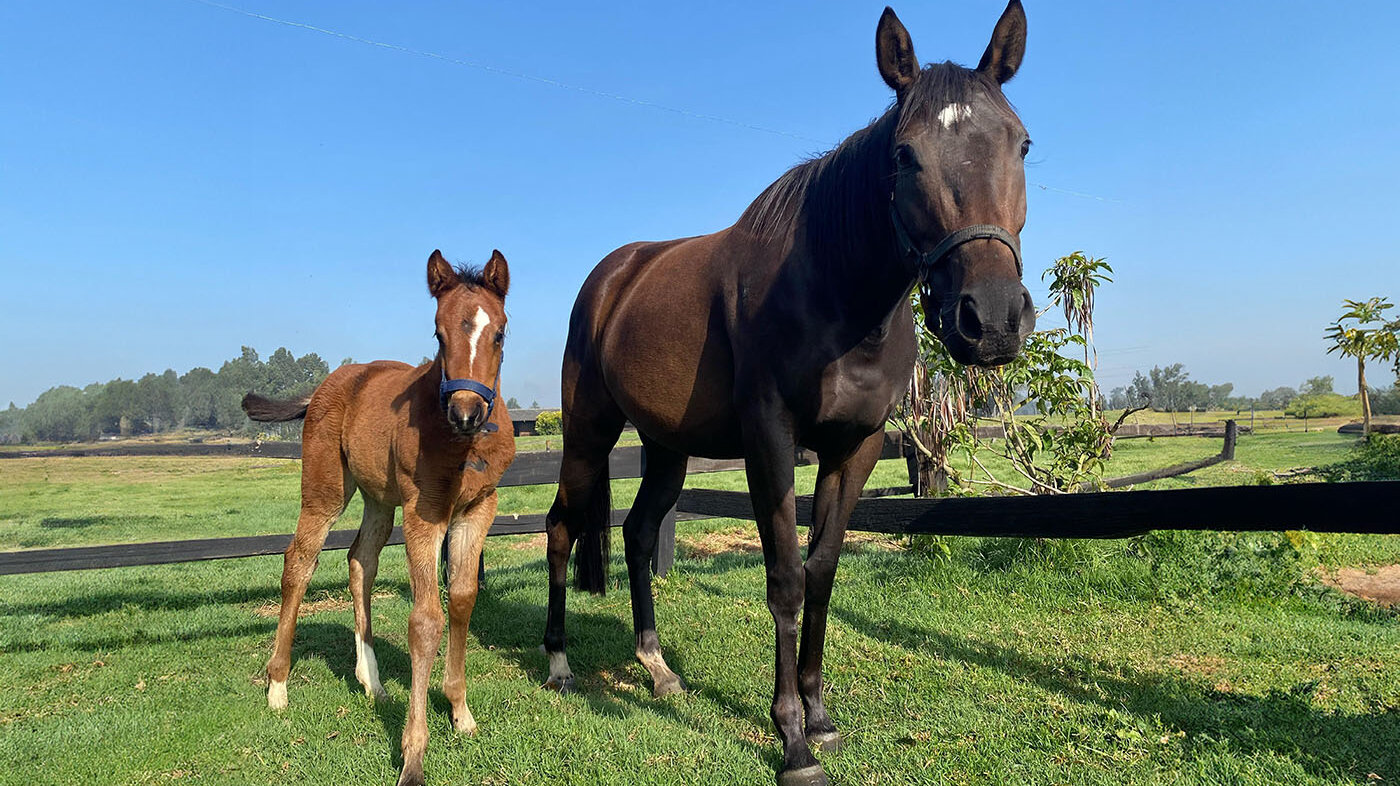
{"points": [[1025, 148], [500, 337]]}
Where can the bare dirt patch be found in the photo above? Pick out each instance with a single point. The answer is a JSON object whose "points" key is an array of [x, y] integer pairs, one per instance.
{"points": [[324, 604], [744, 540], [1380, 585]]}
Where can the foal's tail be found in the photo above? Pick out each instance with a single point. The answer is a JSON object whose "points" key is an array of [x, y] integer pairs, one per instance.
{"points": [[591, 553], [267, 410]]}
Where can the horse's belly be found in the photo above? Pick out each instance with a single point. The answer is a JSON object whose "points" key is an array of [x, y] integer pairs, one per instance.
{"points": [[667, 362]]}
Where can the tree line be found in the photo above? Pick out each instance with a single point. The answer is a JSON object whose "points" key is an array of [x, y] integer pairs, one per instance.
{"points": [[199, 398], [1171, 389]]}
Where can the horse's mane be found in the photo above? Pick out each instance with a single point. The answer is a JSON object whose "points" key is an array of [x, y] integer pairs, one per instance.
{"points": [[472, 275], [845, 191]]}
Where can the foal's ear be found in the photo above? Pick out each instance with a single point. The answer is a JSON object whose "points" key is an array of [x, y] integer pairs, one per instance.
{"points": [[1008, 46], [441, 276], [497, 274], [894, 53]]}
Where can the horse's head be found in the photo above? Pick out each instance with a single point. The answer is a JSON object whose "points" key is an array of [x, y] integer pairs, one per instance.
{"points": [[471, 335], [959, 197]]}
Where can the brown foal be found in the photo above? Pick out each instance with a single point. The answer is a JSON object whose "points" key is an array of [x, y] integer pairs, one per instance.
{"points": [[432, 440]]}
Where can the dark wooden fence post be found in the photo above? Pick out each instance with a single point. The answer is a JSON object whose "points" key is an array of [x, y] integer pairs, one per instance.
{"points": [[1232, 433]]}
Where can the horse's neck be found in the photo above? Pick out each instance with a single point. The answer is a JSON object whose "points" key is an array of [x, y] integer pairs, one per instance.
{"points": [[850, 238]]}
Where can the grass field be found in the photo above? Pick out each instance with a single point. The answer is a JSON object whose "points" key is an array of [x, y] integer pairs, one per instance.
{"points": [[1194, 659]]}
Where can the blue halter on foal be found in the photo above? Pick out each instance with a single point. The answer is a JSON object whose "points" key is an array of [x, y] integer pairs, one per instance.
{"points": [[446, 387]]}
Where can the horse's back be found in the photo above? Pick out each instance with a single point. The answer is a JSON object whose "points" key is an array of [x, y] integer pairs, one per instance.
{"points": [[354, 415], [651, 325]]}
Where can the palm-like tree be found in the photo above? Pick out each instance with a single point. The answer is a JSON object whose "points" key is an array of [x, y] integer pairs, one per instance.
{"points": [[1362, 333]]}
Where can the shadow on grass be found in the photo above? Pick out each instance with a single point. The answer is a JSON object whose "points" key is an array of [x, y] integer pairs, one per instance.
{"points": [[1281, 723]]}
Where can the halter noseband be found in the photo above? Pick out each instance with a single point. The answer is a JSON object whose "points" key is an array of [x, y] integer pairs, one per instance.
{"points": [[926, 262], [446, 387]]}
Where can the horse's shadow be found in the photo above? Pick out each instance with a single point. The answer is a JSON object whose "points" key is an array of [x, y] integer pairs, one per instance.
{"points": [[600, 644], [1279, 723]]}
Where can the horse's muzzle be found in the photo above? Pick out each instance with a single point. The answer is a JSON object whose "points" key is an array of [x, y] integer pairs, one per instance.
{"points": [[984, 325]]}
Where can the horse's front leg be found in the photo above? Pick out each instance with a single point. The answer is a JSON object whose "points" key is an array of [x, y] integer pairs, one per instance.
{"points": [[768, 460], [465, 539], [839, 482], [423, 542]]}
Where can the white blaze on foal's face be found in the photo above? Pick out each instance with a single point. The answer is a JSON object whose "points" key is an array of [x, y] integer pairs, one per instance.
{"points": [[479, 324]]}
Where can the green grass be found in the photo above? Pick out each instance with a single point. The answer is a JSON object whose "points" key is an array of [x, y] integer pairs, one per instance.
{"points": [[1191, 659]]}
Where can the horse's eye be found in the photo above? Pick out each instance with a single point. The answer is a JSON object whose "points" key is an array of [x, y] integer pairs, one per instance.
{"points": [[904, 158], [1025, 148], [500, 337]]}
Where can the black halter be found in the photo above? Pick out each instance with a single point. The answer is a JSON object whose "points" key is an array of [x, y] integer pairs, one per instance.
{"points": [[446, 387], [926, 262]]}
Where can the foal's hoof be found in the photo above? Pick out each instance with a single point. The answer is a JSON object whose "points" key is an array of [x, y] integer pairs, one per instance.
{"points": [[277, 695], [826, 741], [564, 685], [414, 778], [463, 722], [804, 776], [667, 687]]}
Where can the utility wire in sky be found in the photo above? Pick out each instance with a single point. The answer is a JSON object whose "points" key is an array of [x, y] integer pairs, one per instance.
{"points": [[564, 85]]}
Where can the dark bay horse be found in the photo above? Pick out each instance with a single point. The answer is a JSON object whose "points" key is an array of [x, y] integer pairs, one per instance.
{"points": [[793, 327], [433, 440]]}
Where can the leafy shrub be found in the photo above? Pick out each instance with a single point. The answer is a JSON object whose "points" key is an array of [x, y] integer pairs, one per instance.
{"points": [[1324, 405], [550, 422], [1377, 458], [1241, 565]]}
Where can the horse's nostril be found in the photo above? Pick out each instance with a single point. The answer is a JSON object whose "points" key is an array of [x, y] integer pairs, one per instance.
{"points": [[969, 323]]}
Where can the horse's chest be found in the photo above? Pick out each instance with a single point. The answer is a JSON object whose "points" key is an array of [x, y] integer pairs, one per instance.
{"points": [[857, 390]]}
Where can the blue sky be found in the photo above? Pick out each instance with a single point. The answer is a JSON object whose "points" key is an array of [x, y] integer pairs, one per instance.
{"points": [[178, 179]]}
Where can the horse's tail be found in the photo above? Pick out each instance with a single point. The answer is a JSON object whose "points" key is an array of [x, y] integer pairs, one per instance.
{"points": [[591, 553], [267, 410]]}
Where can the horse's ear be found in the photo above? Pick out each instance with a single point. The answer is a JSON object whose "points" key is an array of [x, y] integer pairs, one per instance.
{"points": [[1008, 46], [497, 274], [441, 276], [894, 53]]}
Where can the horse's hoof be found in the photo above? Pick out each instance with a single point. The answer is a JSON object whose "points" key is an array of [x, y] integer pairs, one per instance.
{"points": [[464, 723], [564, 685], [414, 778], [277, 695], [667, 687], [826, 741], [812, 775], [377, 693]]}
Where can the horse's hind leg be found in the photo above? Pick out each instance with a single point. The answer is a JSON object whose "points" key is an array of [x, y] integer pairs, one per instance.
{"points": [[465, 538], [583, 494], [325, 489], [662, 480], [375, 527]]}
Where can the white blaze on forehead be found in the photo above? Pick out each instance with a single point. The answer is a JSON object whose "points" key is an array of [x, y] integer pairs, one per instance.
{"points": [[952, 113], [479, 323]]}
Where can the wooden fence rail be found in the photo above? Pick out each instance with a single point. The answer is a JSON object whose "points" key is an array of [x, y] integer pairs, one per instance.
{"points": [[1371, 507], [529, 469]]}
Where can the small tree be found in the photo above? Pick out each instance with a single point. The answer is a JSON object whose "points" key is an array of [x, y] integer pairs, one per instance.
{"points": [[1060, 447], [1362, 333]]}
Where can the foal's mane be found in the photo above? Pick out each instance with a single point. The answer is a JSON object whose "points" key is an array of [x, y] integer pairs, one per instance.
{"points": [[472, 275], [843, 194]]}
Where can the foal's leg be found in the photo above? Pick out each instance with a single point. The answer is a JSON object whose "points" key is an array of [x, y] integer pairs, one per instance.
{"points": [[325, 489], [375, 527], [661, 485], [423, 542], [768, 462], [838, 487], [465, 537]]}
